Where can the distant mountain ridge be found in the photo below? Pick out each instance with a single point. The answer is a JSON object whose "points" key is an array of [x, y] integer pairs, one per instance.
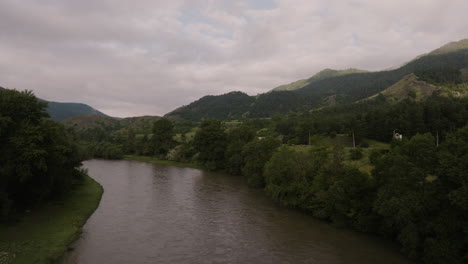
{"points": [[324, 74], [448, 64], [61, 111]]}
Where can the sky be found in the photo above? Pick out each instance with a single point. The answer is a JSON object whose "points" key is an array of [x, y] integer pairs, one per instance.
{"points": [[149, 57]]}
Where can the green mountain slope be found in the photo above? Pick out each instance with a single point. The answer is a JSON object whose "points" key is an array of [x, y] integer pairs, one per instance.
{"points": [[324, 74], [451, 47], [232, 105], [237, 105], [445, 67], [408, 87], [61, 111], [354, 87]]}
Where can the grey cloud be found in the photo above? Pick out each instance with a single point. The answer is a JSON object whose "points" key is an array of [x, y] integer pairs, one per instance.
{"points": [[149, 57]]}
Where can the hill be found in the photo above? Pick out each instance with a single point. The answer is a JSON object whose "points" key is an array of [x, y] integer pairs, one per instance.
{"points": [[444, 67], [238, 105], [353, 87], [408, 87], [324, 74], [61, 111], [451, 47], [232, 105]]}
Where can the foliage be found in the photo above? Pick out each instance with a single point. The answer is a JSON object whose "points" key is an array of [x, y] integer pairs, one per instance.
{"points": [[318, 182], [256, 154], [162, 139], [210, 142], [356, 153], [39, 159], [238, 137], [44, 234], [419, 197], [376, 119]]}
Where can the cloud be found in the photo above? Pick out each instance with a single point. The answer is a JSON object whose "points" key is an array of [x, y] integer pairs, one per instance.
{"points": [[127, 58]]}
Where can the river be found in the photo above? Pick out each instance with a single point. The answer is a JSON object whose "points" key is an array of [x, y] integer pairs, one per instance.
{"points": [[162, 214]]}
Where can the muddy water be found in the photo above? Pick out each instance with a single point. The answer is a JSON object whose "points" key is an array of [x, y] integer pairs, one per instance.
{"points": [[163, 214]]}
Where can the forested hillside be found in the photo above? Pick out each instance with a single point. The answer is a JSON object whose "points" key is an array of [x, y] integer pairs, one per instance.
{"points": [[446, 66], [324, 74], [61, 111]]}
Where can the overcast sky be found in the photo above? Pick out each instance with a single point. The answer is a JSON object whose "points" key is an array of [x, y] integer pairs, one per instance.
{"points": [[148, 57]]}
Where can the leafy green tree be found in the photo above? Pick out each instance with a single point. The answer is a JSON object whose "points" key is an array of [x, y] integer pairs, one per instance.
{"points": [[237, 138], [256, 154], [406, 193], [162, 140], [39, 159], [210, 142], [289, 175], [356, 153]]}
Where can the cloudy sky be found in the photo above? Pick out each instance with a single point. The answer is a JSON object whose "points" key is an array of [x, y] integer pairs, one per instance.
{"points": [[148, 57]]}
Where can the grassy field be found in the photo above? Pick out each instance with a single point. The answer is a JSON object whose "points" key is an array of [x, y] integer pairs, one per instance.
{"points": [[161, 162], [346, 142], [43, 235]]}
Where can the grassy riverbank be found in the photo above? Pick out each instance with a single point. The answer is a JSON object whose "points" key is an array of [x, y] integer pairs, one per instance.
{"points": [[162, 162], [43, 235]]}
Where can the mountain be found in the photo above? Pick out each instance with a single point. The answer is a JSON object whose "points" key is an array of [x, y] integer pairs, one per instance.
{"points": [[353, 87], [408, 87], [324, 74], [238, 105], [61, 111], [232, 105], [444, 67], [451, 47]]}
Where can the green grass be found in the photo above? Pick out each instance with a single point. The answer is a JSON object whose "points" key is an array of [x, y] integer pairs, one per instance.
{"points": [[345, 141], [161, 162], [44, 234]]}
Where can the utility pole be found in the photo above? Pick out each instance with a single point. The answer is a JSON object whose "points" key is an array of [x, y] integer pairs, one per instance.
{"points": [[309, 137], [437, 138], [354, 141]]}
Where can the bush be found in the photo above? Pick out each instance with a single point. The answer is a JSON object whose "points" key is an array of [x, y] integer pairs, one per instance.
{"points": [[364, 144], [356, 154]]}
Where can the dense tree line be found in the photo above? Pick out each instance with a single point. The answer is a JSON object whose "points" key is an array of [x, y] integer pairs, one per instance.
{"points": [[38, 158], [376, 119], [417, 193]]}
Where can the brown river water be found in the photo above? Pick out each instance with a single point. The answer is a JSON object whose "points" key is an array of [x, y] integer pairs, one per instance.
{"points": [[162, 214]]}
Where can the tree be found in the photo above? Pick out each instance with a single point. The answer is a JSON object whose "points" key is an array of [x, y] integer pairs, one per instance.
{"points": [[256, 154], [162, 140], [237, 138], [210, 142], [38, 157]]}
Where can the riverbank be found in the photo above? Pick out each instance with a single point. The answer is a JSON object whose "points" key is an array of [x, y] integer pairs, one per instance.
{"points": [[43, 235], [162, 162]]}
